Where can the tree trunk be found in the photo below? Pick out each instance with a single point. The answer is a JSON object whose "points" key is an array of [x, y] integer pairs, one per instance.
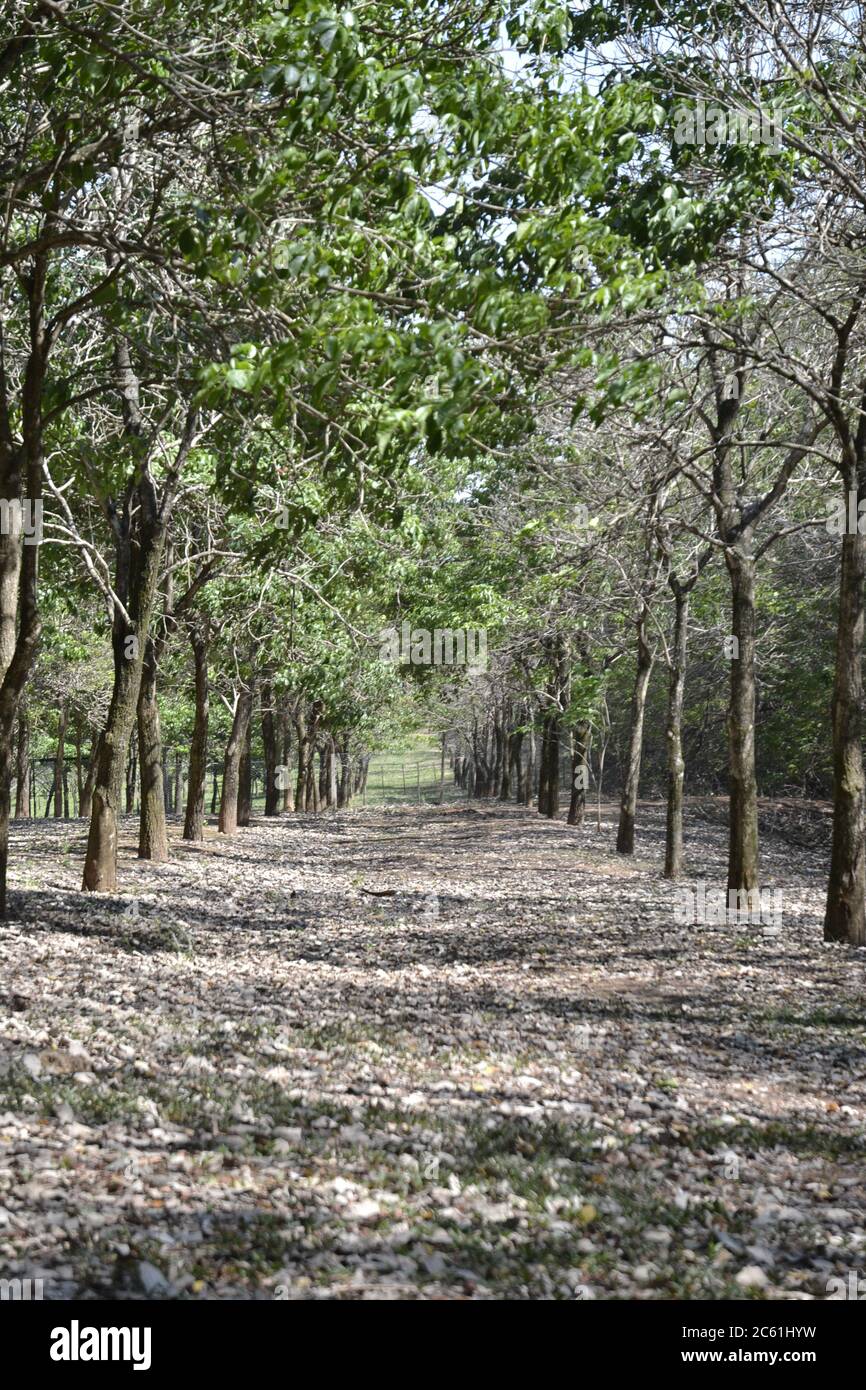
{"points": [[311, 788], [323, 773], [442, 772], [288, 789], [245, 775], [344, 792], [131, 769], [577, 800], [60, 761], [153, 832], [86, 806], [845, 913], [269, 741], [228, 819], [517, 764], [743, 869], [312, 797], [543, 767], [303, 757], [331, 765], [506, 756], [548, 787], [79, 778], [628, 804], [674, 737], [20, 626], [529, 774], [22, 786], [193, 827], [139, 529]]}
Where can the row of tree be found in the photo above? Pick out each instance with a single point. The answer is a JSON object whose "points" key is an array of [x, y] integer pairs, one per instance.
{"points": [[315, 320]]}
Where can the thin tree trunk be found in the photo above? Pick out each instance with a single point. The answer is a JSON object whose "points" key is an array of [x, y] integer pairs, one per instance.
{"points": [[86, 806], [442, 772], [529, 771], [20, 625], [628, 804], [548, 790], [344, 792], [674, 738], [153, 831], [131, 773], [288, 788], [79, 778], [577, 800], [332, 774], [193, 828], [139, 528], [245, 774], [60, 761], [845, 913], [517, 764], [311, 789], [504, 777], [303, 757], [23, 767], [269, 742], [228, 818], [743, 868]]}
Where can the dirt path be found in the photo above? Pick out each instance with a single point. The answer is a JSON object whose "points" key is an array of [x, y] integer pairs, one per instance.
{"points": [[512, 1074]]}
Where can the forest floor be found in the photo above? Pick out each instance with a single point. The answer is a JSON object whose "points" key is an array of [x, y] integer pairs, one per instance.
{"points": [[243, 1076]]}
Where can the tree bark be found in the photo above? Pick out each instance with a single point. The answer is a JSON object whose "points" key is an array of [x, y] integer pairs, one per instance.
{"points": [[333, 787], [245, 774], [193, 827], [628, 804], [153, 831], [139, 528], [743, 867], [303, 756], [674, 738], [131, 772], [60, 761], [577, 801], [288, 789], [20, 625], [845, 912], [269, 742], [529, 773], [87, 791], [344, 791], [228, 817], [23, 767], [79, 777]]}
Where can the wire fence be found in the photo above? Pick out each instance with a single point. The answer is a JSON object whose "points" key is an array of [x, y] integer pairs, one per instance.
{"points": [[387, 781], [391, 779]]}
